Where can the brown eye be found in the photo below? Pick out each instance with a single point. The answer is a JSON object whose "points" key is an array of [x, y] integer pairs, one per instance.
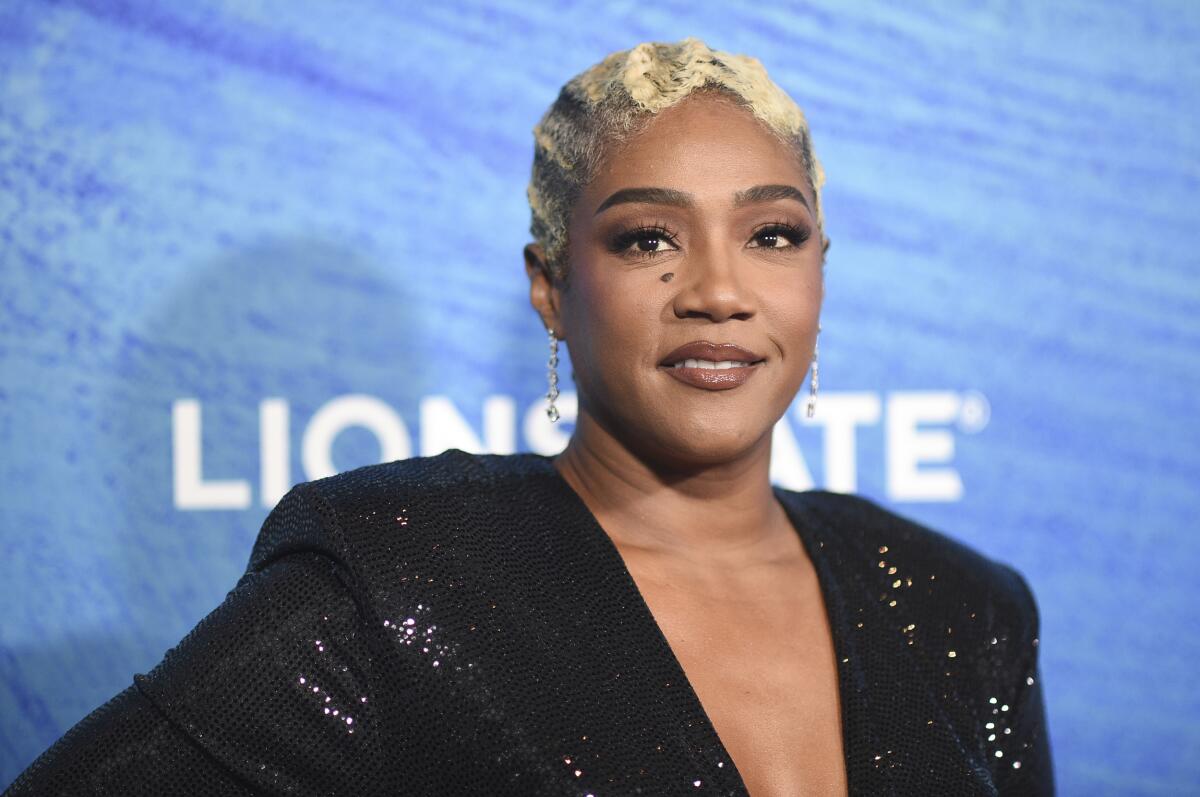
{"points": [[780, 236], [643, 242], [649, 243], [771, 240]]}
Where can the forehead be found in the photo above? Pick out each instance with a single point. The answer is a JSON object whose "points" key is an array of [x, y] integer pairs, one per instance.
{"points": [[705, 144]]}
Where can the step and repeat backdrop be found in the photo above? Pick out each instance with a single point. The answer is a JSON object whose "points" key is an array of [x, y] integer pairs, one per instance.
{"points": [[248, 244]]}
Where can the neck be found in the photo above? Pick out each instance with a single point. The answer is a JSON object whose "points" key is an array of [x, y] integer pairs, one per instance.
{"points": [[704, 513]]}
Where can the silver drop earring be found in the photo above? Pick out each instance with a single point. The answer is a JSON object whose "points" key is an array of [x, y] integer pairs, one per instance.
{"points": [[814, 380], [552, 375]]}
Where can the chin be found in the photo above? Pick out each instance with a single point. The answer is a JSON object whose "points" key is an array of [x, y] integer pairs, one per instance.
{"points": [[684, 446], [689, 435]]}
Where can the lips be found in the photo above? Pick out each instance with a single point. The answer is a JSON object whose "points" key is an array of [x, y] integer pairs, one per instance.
{"points": [[711, 366]]}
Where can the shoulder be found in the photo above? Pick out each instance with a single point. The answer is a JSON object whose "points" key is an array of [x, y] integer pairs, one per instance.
{"points": [[936, 625], [404, 500], [451, 472], [909, 562], [880, 534]]}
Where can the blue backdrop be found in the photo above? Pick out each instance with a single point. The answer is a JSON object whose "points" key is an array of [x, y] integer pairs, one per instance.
{"points": [[248, 243]]}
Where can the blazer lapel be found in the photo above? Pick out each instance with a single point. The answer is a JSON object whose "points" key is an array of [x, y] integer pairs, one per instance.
{"points": [[898, 738], [668, 708]]}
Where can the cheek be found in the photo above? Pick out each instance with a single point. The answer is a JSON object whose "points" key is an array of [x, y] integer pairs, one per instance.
{"points": [[793, 300], [791, 312], [613, 320]]}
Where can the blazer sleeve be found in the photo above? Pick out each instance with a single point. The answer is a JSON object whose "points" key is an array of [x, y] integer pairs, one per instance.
{"points": [[1027, 767], [272, 693], [127, 746]]}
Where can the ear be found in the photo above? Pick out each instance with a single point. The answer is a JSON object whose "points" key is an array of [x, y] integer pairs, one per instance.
{"points": [[543, 288], [824, 251]]}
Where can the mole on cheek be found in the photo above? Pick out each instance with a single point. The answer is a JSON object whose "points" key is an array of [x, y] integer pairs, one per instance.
{"points": [[668, 276]]}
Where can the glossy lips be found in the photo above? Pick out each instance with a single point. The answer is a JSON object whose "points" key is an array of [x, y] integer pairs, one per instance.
{"points": [[711, 366]]}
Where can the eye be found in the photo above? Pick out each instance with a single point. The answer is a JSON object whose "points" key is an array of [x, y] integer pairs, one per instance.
{"points": [[643, 242], [779, 236]]}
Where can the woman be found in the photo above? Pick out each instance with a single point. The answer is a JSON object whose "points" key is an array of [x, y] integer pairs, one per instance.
{"points": [[643, 614]]}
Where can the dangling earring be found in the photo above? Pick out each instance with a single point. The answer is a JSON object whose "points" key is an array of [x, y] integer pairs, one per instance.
{"points": [[552, 375], [814, 380]]}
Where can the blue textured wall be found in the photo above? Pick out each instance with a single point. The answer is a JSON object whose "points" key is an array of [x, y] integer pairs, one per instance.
{"points": [[209, 206]]}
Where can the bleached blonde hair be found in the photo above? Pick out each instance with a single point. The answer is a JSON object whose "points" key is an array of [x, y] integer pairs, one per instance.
{"points": [[604, 105]]}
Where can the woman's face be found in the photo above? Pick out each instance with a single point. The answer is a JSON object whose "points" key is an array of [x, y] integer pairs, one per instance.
{"points": [[695, 286]]}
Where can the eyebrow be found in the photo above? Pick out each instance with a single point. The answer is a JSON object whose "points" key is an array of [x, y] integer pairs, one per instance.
{"points": [[652, 196], [669, 196], [768, 193]]}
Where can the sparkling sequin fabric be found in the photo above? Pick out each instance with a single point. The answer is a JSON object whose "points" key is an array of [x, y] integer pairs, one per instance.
{"points": [[461, 625]]}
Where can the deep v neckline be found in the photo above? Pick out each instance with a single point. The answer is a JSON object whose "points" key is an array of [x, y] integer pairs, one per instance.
{"points": [[833, 604]]}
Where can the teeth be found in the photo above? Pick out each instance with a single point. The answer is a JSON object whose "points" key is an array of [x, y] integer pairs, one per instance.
{"points": [[709, 364]]}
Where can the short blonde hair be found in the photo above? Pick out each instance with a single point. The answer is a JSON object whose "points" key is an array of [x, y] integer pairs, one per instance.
{"points": [[605, 104]]}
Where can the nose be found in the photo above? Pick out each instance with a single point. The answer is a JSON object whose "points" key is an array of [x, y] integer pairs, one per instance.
{"points": [[713, 287]]}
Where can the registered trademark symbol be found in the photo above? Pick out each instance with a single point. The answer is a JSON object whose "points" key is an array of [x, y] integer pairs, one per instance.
{"points": [[974, 413]]}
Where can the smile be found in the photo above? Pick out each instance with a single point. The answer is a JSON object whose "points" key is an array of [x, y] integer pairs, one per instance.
{"points": [[711, 366]]}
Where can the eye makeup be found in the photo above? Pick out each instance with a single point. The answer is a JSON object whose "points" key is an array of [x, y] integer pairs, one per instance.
{"points": [[646, 241], [643, 241], [794, 234]]}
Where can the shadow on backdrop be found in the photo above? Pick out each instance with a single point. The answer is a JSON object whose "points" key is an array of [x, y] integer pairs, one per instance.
{"points": [[302, 319]]}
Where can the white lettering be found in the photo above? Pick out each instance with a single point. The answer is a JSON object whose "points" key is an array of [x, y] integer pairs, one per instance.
{"points": [[908, 447], [191, 490], [918, 459], [443, 427], [544, 437], [788, 468], [841, 414], [343, 412], [274, 450]]}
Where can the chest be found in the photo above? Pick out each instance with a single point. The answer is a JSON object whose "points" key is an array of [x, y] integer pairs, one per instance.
{"points": [[762, 663]]}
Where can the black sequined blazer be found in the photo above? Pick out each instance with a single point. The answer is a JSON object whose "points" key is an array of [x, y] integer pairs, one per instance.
{"points": [[461, 625]]}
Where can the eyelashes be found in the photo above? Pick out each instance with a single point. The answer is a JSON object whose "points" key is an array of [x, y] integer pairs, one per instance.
{"points": [[647, 241], [771, 234], [643, 241]]}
